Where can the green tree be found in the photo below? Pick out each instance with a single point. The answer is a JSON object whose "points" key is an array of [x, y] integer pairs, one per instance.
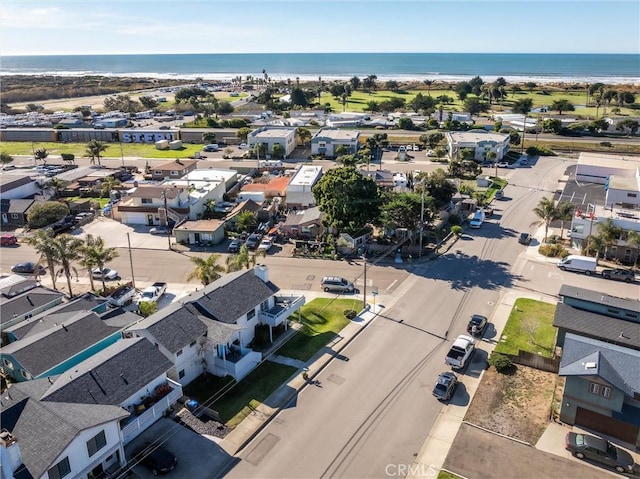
{"points": [[547, 213], [277, 151], [108, 184], [475, 106], [46, 212], [609, 234], [434, 139], [43, 242], [440, 188], [355, 83], [94, 254], [148, 102], [56, 186], [68, 249], [633, 240], [246, 221], [304, 135], [564, 211], [69, 158], [370, 82], [5, 158], [243, 133], [206, 270], [562, 105], [402, 210], [244, 259], [94, 149], [41, 155], [628, 126], [122, 103], [349, 200], [147, 308], [523, 107], [406, 123]]}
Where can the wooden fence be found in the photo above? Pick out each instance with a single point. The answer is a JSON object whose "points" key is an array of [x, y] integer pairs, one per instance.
{"points": [[536, 361]]}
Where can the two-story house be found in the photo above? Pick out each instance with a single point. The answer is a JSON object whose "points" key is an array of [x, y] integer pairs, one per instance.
{"points": [[268, 136], [327, 141], [480, 141], [25, 301], [299, 189], [154, 205], [212, 329], [600, 339]]}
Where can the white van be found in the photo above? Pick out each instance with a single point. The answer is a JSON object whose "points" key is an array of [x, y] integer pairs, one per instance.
{"points": [[580, 264], [270, 164], [477, 220]]}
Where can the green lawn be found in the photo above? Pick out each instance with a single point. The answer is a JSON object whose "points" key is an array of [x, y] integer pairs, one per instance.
{"points": [[447, 475], [321, 320], [529, 317], [113, 149], [239, 401]]}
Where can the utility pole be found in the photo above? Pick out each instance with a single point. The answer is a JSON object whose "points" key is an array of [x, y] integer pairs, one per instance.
{"points": [[166, 217], [133, 279], [364, 288]]}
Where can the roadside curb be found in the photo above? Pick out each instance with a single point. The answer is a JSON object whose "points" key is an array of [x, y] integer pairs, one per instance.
{"points": [[497, 433]]}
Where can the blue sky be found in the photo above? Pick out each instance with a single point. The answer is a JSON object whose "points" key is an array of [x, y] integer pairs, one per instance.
{"points": [[265, 26]]}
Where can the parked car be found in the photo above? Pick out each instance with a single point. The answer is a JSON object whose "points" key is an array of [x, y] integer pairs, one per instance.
{"points": [[619, 274], [159, 230], [253, 240], [8, 240], [502, 164], [211, 148], [265, 245], [234, 246], [525, 238], [585, 446], [98, 273], [476, 326], [28, 268], [156, 458], [499, 195], [446, 385], [460, 352], [337, 284]]}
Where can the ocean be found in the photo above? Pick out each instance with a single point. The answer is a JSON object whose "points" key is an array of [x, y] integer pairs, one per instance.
{"points": [[540, 68]]}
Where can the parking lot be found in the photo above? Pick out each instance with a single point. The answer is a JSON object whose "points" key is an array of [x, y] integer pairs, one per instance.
{"points": [[118, 235]]}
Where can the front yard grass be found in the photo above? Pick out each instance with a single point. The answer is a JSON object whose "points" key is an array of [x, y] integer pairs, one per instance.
{"points": [[322, 319], [239, 401], [529, 328]]}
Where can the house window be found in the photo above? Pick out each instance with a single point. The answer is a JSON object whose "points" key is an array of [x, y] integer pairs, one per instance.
{"points": [[251, 314], [600, 390], [62, 469], [181, 374], [192, 344], [146, 201], [96, 443], [578, 229], [174, 173], [25, 374], [15, 216], [632, 195], [179, 353], [157, 173], [613, 311], [264, 306]]}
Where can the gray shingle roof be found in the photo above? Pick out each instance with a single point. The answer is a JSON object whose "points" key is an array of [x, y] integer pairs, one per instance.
{"points": [[19, 206], [45, 429], [14, 285], [615, 364], [220, 333], [599, 298], [231, 296], [29, 301], [175, 326], [613, 330], [41, 352], [112, 375]]}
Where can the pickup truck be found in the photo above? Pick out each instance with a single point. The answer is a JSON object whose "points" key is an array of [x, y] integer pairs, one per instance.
{"points": [[123, 295], [460, 352], [152, 293]]}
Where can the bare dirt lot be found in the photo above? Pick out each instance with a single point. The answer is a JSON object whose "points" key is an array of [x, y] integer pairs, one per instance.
{"points": [[517, 405]]}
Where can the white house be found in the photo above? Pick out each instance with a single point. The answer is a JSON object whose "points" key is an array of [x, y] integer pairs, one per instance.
{"points": [[151, 204], [597, 167], [211, 329], [299, 188], [17, 187], [327, 140], [480, 141], [268, 136]]}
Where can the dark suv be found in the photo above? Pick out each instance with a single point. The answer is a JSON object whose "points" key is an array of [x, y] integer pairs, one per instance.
{"points": [[253, 240], [619, 275], [584, 446]]}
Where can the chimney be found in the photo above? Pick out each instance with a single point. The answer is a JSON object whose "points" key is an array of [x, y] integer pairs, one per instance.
{"points": [[262, 272], [13, 458]]}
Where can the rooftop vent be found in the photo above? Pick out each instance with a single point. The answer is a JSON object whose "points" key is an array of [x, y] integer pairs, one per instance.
{"points": [[590, 365]]}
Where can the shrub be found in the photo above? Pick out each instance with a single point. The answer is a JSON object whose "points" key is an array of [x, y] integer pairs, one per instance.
{"points": [[456, 230], [605, 144], [499, 361], [553, 250], [553, 239], [350, 313]]}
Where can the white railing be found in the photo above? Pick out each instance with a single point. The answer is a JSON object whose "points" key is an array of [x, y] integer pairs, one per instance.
{"points": [[285, 307], [238, 368], [143, 421]]}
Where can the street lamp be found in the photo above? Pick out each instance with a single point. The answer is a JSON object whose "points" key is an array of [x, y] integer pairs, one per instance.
{"points": [[133, 279]]}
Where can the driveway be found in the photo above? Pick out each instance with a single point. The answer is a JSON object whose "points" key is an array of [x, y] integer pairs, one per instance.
{"points": [[197, 455], [483, 455]]}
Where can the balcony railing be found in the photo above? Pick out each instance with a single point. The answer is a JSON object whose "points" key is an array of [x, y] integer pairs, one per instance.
{"points": [[141, 419], [237, 364], [285, 306]]}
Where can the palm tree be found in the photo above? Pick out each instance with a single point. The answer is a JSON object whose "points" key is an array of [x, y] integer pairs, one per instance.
{"points": [[594, 245], [108, 184], [564, 212], [207, 270], [42, 241], [246, 219], [609, 233], [244, 258], [547, 213], [523, 106], [94, 149], [56, 185], [633, 239], [94, 254], [428, 83], [68, 249]]}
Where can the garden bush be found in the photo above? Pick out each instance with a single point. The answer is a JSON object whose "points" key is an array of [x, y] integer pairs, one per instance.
{"points": [[553, 250], [501, 362], [456, 230], [350, 313]]}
